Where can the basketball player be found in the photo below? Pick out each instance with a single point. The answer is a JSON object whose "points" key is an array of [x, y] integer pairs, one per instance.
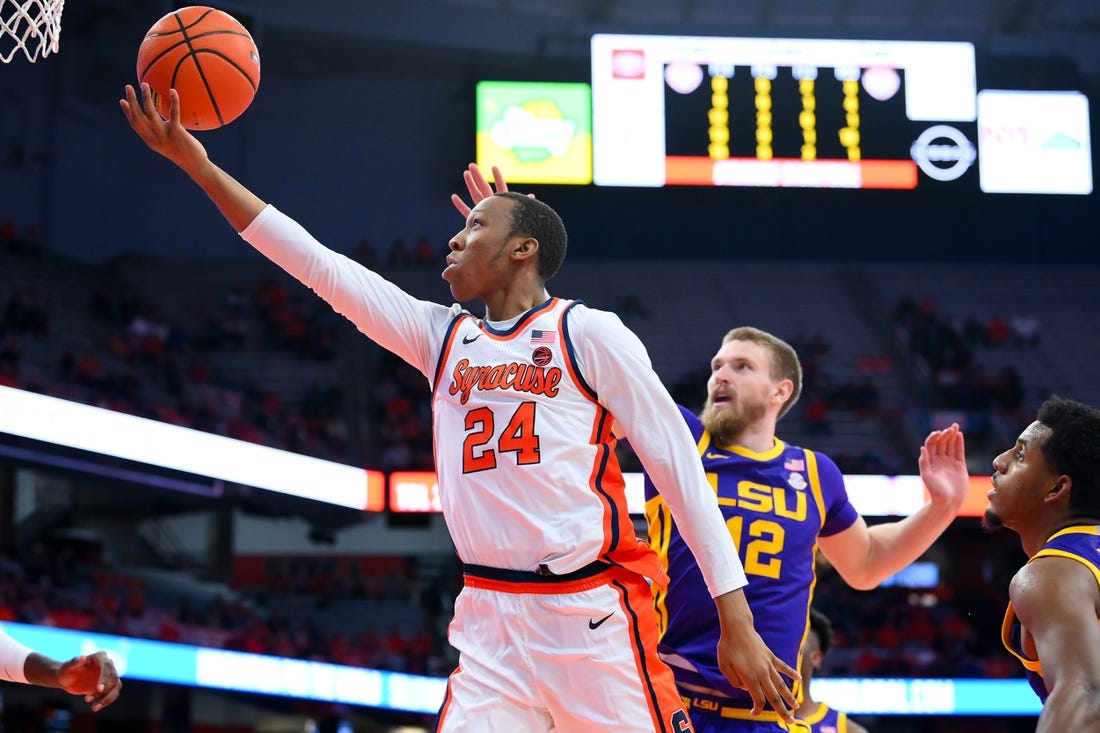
{"points": [[554, 626], [91, 675], [781, 502], [820, 717], [1046, 488]]}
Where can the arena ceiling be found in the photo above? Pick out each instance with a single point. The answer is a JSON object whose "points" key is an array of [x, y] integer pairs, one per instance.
{"points": [[325, 37]]}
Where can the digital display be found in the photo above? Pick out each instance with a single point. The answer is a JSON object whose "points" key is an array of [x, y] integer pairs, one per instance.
{"points": [[538, 132], [873, 495], [915, 575], [1034, 142], [808, 113]]}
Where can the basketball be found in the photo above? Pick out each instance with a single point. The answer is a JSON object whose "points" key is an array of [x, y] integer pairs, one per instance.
{"points": [[208, 57]]}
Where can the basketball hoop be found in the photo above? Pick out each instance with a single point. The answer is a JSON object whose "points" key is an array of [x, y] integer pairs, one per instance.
{"points": [[32, 26]]}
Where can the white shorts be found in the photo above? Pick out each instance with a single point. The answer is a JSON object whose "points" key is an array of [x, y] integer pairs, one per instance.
{"points": [[559, 654]]}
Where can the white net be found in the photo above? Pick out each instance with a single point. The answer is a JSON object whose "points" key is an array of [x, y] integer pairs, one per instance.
{"points": [[30, 26]]}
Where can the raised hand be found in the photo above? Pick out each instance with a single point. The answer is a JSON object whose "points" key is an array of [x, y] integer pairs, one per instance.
{"points": [[943, 466], [479, 188], [167, 137]]}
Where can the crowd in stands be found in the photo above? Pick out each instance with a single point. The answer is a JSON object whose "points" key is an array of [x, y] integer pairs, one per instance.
{"points": [[422, 253], [897, 631], [947, 343], [940, 631], [23, 239], [401, 417], [53, 585], [145, 365]]}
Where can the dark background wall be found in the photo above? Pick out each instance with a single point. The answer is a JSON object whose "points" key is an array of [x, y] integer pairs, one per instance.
{"points": [[361, 136]]}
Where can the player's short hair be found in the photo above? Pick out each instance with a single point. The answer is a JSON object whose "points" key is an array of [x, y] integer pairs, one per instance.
{"points": [[1073, 449], [823, 627], [784, 360], [533, 218]]}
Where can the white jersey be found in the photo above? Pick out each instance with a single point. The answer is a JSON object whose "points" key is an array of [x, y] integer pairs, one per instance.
{"points": [[553, 495], [533, 451]]}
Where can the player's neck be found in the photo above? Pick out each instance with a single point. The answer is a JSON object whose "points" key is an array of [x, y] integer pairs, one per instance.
{"points": [[808, 707], [758, 438], [1034, 539], [509, 303]]}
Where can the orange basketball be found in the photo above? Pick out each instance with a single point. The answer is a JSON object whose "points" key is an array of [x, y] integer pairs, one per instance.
{"points": [[208, 57]]}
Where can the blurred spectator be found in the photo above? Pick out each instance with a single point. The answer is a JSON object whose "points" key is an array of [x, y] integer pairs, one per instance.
{"points": [[365, 253], [399, 254], [1025, 329], [424, 252]]}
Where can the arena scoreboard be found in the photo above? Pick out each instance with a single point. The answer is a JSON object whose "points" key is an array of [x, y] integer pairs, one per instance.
{"points": [[825, 113]]}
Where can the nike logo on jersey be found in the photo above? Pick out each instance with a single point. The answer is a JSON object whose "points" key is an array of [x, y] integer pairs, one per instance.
{"points": [[470, 339], [715, 455], [519, 377], [596, 624]]}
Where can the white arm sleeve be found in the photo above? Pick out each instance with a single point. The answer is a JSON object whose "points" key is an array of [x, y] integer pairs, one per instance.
{"points": [[411, 328], [616, 365], [13, 658]]}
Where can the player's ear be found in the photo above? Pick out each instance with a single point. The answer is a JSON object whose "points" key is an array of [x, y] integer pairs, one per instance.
{"points": [[526, 248], [783, 390], [1060, 490]]}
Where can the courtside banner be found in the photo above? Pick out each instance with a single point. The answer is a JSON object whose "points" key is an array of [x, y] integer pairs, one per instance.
{"points": [[196, 666], [220, 669], [154, 443], [872, 495]]}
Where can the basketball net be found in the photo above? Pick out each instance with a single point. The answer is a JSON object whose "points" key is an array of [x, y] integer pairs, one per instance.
{"points": [[30, 26]]}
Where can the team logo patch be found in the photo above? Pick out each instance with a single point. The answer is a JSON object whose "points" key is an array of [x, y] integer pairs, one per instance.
{"points": [[797, 482], [541, 356]]}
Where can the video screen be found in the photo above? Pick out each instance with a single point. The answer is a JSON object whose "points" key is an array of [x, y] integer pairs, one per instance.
{"points": [[539, 132], [809, 113]]}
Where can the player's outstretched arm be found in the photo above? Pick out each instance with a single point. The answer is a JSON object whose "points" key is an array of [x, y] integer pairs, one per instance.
{"points": [[747, 661], [237, 204], [1055, 599], [91, 675], [865, 557]]}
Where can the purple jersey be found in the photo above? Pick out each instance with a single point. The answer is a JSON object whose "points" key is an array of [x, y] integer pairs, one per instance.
{"points": [[775, 504], [1077, 543], [827, 720]]}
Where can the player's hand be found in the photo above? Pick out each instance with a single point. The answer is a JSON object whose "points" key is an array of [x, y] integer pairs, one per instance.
{"points": [[479, 188], [943, 467], [748, 663], [94, 676], [167, 137]]}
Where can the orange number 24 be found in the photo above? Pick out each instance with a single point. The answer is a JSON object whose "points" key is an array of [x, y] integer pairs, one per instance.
{"points": [[518, 437]]}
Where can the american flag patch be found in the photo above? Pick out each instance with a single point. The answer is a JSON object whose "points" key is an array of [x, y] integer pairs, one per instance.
{"points": [[543, 337], [795, 464]]}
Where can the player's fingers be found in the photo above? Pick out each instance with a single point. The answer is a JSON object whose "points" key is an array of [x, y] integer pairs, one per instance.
{"points": [[147, 105], [475, 181], [128, 99], [936, 442], [757, 702], [498, 180], [173, 107], [460, 205], [959, 446], [785, 669], [104, 699]]}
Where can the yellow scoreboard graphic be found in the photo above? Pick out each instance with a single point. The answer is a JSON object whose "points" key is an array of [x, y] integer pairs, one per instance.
{"points": [[537, 132]]}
